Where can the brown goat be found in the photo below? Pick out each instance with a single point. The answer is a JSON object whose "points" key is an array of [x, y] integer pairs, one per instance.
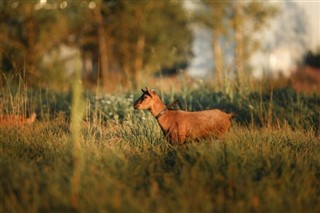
{"points": [[178, 125], [16, 120]]}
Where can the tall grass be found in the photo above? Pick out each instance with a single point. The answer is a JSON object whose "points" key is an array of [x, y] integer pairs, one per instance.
{"points": [[77, 110], [131, 170], [268, 162]]}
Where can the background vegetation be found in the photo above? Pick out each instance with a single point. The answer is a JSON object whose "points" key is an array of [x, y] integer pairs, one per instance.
{"points": [[90, 151], [118, 42], [269, 161]]}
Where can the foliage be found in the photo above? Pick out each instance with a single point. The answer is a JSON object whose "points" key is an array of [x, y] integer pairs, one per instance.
{"points": [[125, 37], [127, 166], [28, 33], [131, 168], [234, 27], [163, 26], [278, 107], [312, 58]]}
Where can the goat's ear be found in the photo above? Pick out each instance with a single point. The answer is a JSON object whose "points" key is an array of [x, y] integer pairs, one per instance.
{"points": [[149, 92], [145, 91], [153, 91]]}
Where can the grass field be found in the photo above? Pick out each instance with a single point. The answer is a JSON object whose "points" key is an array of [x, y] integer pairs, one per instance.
{"points": [[118, 161]]}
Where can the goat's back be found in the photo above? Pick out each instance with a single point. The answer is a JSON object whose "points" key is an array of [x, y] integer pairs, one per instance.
{"points": [[200, 123]]}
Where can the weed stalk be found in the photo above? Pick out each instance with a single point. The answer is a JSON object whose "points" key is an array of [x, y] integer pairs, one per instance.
{"points": [[77, 111]]}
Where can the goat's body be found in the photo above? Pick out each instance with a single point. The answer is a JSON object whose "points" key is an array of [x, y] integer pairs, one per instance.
{"points": [[16, 120], [179, 126]]}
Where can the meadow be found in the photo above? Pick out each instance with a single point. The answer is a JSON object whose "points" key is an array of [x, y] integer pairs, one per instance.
{"points": [[98, 154]]}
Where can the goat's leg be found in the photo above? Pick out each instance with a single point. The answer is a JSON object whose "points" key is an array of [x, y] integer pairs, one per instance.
{"points": [[182, 139]]}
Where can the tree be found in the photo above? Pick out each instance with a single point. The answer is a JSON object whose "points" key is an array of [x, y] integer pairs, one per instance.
{"points": [[102, 40], [127, 38], [148, 36], [29, 30], [219, 21], [248, 18], [227, 19]]}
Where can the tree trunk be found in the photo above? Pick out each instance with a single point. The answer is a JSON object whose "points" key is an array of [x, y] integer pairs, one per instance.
{"points": [[239, 43], [29, 66], [103, 51], [218, 59], [138, 64]]}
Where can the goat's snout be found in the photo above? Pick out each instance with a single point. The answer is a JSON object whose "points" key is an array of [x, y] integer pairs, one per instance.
{"points": [[136, 105]]}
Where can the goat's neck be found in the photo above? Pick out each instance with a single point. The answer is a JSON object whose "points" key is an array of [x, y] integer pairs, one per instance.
{"points": [[30, 120], [157, 107]]}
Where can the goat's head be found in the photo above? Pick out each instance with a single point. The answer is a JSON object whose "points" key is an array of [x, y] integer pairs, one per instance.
{"points": [[147, 99], [33, 116]]}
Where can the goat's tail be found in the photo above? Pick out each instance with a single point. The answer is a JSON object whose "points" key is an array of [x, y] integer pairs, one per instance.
{"points": [[232, 115]]}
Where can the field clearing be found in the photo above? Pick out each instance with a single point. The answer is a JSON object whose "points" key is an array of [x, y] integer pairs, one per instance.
{"points": [[268, 162]]}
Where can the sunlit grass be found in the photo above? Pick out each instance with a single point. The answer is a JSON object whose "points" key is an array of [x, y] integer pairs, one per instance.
{"points": [[266, 170], [128, 166]]}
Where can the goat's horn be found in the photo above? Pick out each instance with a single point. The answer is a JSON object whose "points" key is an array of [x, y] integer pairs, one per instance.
{"points": [[144, 90]]}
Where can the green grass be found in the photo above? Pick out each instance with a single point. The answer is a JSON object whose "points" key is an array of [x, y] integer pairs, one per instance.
{"points": [[127, 166]]}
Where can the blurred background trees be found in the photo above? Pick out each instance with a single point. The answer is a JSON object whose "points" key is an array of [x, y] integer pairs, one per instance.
{"points": [[122, 42], [233, 23], [117, 40], [28, 32]]}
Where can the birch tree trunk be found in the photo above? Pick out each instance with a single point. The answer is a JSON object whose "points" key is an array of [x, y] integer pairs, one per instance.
{"points": [[218, 59], [239, 43]]}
